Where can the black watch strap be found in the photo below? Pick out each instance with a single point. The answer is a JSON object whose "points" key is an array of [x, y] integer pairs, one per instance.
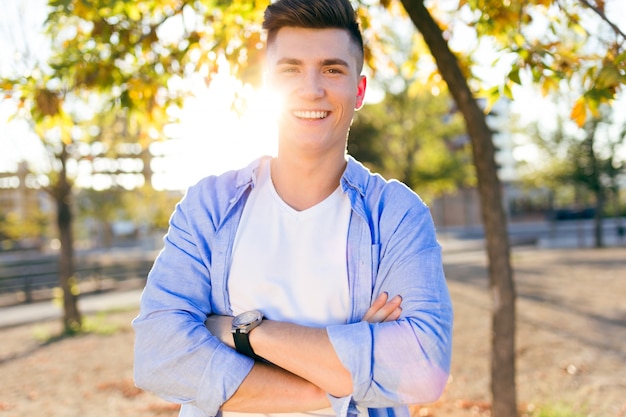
{"points": [[242, 344]]}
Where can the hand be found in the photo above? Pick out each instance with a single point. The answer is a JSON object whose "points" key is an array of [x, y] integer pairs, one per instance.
{"points": [[382, 310], [220, 326]]}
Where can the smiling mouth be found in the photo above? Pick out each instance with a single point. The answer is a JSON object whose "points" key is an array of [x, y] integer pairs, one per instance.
{"points": [[310, 114]]}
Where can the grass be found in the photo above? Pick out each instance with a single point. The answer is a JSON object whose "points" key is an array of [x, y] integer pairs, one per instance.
{"points": [[96, 324], [556, 410]]}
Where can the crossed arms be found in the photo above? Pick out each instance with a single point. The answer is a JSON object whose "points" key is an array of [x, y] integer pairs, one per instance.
{"points": [[304, 365], [377, 361]]}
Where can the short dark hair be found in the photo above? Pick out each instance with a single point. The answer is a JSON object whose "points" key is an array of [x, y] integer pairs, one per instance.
{"points": [[313, 14]]}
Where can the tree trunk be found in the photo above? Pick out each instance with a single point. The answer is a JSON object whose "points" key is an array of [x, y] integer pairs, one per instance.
{"points": [[497, 243], [596, 185], [67, 280]]}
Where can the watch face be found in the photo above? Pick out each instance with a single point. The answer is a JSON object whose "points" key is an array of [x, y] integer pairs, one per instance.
{"points": [[246, 318]]}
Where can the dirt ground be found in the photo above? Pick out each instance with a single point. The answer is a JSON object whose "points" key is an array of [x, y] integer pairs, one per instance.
{"points": [[571, 348]]}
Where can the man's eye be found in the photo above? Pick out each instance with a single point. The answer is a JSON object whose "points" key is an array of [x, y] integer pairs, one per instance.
{"points": [[334, 71]]}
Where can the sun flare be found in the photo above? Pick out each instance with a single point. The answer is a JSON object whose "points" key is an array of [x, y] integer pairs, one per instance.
{"points": [[211, 138]]}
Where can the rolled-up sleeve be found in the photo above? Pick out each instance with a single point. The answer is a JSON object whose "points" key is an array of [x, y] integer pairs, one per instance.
{"points": [[405, 361], [175, 355]]}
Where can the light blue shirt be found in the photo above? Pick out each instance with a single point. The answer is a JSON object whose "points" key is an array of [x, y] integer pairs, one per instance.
{"points": [[392, 247]]}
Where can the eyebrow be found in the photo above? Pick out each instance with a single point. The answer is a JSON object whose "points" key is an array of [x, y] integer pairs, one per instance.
{"points": [[324, 62]]}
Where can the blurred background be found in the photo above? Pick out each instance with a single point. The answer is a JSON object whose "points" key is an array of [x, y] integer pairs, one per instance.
{"points": [[109, 110]]}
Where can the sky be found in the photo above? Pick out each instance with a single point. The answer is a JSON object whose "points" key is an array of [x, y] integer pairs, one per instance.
{"points": [[16, 138], [210, 139]]}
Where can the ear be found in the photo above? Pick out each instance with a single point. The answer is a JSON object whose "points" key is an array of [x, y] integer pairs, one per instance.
{"points": [[360, 92]]}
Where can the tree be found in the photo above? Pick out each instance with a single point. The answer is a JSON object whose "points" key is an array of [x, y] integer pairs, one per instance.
{"points": [[118, 57], [549, 62], [130, 52], [585, 159], [493, 217], [416, 138], [105, 206], [147, 209], [414, 133], [22, 222], [83, 74]]}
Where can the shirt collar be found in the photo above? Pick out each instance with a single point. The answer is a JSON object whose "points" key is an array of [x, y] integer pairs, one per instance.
{"points": [[355, 177], [247, 176]]}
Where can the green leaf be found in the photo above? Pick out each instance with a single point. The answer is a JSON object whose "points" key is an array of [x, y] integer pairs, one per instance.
{"points": [[514, 75], [506, 91], [608, 76]]}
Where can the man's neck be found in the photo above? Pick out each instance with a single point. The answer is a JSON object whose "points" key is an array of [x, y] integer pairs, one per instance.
{"points": [[304, 183]]}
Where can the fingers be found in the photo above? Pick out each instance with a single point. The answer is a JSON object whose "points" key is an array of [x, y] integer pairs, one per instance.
{"points": [[383, 309], [395, 314], [378, 303], [392, 310]]}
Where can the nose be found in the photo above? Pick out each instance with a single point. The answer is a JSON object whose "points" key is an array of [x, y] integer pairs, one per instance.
{"points": [[312, 86]]}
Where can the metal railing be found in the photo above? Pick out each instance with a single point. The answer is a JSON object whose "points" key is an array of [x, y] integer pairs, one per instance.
{"points": [[21, 277]]}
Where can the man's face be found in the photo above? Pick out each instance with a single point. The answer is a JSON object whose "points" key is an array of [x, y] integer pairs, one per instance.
{"points": [[314, 73]]}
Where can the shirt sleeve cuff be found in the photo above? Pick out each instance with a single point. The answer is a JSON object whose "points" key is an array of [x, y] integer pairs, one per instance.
{"points": [[233, 368], [353, 344]]}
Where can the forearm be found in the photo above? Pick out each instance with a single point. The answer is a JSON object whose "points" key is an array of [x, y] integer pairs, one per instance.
{"points": [[304, 351], [270, 389], [308, 351]]}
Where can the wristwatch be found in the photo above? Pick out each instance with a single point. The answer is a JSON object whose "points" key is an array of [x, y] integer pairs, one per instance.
{"points": [[241, 327]]}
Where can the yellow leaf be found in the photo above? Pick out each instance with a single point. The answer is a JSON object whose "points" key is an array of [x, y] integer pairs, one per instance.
{"points": [[133, 12], [548, 85], [579, 112], [579, 30], [518, 39], [491, 96]]}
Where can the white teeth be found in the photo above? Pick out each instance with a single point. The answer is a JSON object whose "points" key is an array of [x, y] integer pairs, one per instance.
{"points": [[307, 114]]}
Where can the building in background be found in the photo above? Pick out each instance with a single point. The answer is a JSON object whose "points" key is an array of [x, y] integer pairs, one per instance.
{"points": [[461, 210]]}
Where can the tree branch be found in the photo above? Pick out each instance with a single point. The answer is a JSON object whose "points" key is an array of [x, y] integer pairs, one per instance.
{"points": [[603, 16]]}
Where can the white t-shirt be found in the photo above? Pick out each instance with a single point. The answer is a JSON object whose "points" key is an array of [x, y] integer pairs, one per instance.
{"points": [[291, 265]]}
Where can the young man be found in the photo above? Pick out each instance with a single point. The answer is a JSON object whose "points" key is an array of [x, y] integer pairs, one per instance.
{"points": [[343, 265]]}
